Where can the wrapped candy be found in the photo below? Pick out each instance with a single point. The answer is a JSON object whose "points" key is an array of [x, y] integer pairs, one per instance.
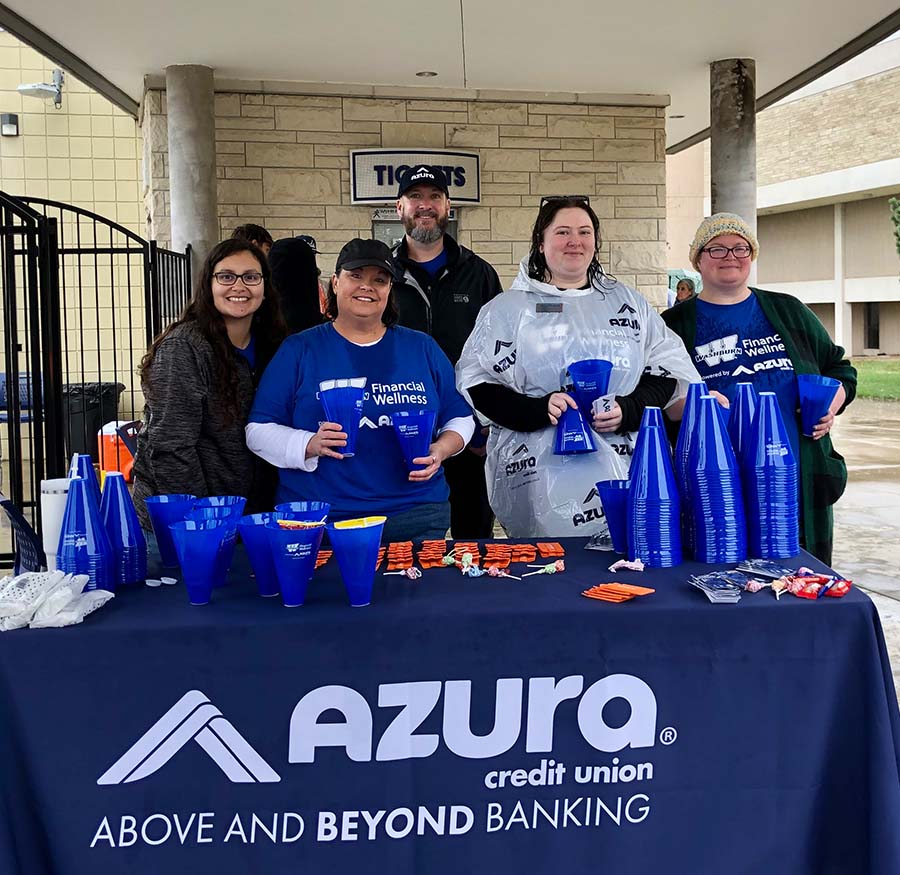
{"points": [[472, 570], [501, 572], [627, 565], [552, 568]]}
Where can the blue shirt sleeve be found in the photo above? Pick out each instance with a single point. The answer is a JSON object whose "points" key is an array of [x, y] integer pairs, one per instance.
{"points": [[274, 401], [452, 404]]}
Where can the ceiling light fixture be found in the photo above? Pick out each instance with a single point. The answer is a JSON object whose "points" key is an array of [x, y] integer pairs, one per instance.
{"points": [[676, 115], [426, 74]]}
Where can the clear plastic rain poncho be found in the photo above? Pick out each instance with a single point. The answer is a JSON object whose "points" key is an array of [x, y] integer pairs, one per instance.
{"points": [[525, 339]]}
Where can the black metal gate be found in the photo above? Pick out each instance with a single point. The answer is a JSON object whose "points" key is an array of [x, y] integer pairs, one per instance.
{"points": [[83, 297]]}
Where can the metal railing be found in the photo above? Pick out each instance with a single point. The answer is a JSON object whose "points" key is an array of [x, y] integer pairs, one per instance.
{"points": [[83, 297]]}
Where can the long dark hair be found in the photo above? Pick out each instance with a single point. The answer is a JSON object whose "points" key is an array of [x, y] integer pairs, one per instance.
{"points": [[537, 264], [267, 326], [389, 317]]}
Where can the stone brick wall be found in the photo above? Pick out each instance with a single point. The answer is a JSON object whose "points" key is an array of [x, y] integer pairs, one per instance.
{"points": [[843, 127], [283, 161]]}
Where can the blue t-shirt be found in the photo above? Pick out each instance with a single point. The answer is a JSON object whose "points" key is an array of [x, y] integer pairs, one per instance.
{"points": [[433, 267], [736, 343], [405, 370], [248, 352]]}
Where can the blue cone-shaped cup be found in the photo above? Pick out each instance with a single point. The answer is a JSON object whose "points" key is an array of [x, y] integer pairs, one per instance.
{"points": [[343, 404], [163, 511], [355, 544], [83, 466], [716, 495], [255, 536], [84, 546], [614, 498], [414, 430], [214, 513], [129, 546], [590, 380], [682, 452], [573, 434], [235, 502], [305, 511], [743, 409], [198, 543], [294, 553], [652, 416], [816, 394]]}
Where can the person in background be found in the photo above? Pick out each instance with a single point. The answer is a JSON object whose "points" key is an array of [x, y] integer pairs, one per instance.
{"points": [[405, 370], [736, 333], [323, 292], [255, 234], [296, 277], [563, 308], [684, 290], [442, 289], [198, 379]]}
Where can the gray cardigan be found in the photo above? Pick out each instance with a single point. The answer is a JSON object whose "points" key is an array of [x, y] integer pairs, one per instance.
{"points": [[185, 444]]}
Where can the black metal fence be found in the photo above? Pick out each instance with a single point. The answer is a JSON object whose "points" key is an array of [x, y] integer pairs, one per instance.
{"points": [[83, 297]]}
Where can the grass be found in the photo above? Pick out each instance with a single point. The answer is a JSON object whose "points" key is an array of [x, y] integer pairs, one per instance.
{"points": [[879, 377]]}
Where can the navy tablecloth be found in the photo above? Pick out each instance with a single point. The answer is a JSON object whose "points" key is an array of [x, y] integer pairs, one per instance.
{"points": [[664, 734]]}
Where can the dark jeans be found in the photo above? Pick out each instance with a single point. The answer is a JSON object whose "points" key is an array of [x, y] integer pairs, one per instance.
{"points": [[425, 522], [470, 512]]}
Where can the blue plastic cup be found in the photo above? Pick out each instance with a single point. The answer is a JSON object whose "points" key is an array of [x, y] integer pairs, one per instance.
{"points": [[573, 434], [740, 422], [414, 430], [343, 404], [590, 380], [614, 498], [651, 418], [129, 546], [305, 511], [294, 553], [163, 511], [235, 502], [197, 543], [252, 530], [222, 512], [83, 466], [355, 544], [816, 394], [84, 546]]}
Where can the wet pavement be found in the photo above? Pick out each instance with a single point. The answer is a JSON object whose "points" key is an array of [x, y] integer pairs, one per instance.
{"points": [[867, 518]]}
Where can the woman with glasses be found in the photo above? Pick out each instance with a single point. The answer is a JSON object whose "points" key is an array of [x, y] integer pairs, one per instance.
{"points": [[736, 334], [563, 308], [199, 378]]}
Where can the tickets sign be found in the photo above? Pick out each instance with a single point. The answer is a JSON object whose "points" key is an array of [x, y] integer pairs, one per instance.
{"points": [[375, 173]]}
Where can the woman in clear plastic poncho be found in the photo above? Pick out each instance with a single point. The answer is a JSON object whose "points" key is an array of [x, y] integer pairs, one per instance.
{"points": [[563, 308]]}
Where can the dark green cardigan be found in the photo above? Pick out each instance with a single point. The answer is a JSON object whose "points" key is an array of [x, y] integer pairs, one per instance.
{"points": [[823, 474]]}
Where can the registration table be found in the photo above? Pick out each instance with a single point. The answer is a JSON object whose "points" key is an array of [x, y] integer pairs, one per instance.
{"points": [[456, 725]]}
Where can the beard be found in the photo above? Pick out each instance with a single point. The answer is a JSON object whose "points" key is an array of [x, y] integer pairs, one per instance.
{"points": [[426, 235]]}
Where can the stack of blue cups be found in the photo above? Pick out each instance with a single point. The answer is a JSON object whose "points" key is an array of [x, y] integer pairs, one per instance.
{"points": [[129, 546], [720, 529], [743, 409], [84, 546], [682, 459], [652, 417], [770, 479], [654, 506]]}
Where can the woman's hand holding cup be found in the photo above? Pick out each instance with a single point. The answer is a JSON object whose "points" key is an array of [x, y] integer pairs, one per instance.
{"points": [[326, 441]]}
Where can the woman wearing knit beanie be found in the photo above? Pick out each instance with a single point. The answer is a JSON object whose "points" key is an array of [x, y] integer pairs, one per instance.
{"points": [[736, 333]]}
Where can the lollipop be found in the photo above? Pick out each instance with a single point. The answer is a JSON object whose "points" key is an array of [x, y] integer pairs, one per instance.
{"points": [[412, 573], [552, 568], [501, 572], [472, 570]]}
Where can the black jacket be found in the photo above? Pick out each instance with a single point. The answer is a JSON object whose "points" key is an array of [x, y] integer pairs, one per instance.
{"points": [[446, 307]]}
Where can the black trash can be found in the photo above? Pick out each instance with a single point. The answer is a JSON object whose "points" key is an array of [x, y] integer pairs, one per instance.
{"points": [[86, 408]]}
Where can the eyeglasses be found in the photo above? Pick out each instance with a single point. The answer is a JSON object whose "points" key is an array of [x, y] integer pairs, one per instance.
{"points": [[742, 250], [553, 198], [229, 278]]}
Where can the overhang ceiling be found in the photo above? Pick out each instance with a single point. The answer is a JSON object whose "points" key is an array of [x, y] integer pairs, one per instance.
{"points": [[642, 47]]}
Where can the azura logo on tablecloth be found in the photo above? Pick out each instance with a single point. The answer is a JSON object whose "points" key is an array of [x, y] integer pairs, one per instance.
{"points": [[192, 718], [195, 718]]}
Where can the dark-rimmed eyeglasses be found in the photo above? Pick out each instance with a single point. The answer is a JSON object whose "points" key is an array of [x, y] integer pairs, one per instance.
{"points": [[229, 278], [553, 198], [742, 250]]}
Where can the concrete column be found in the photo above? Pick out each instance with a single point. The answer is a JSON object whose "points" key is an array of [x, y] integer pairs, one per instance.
{"points": [[843, 312], [732, 139], [190, 102]]}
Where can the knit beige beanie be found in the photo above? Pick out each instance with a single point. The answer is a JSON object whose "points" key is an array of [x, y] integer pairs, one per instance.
{"points": [[715, 226]]}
